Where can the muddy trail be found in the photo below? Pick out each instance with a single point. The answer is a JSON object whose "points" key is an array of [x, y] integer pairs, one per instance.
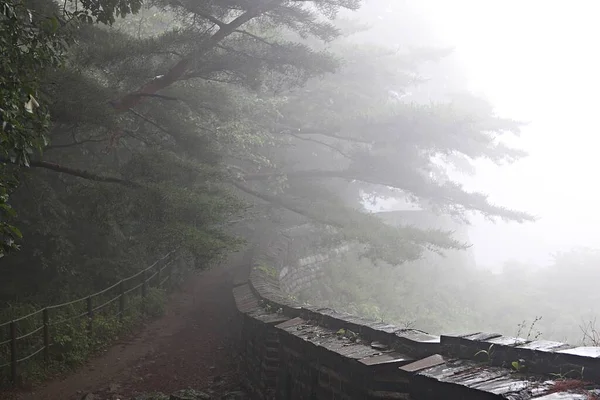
{"points": [[195, 344]]}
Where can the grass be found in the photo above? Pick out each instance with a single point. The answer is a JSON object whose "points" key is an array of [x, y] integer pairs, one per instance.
{"points": [[72, 343]]}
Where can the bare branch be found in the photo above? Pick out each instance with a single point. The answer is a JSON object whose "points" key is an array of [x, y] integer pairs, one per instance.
{"points": [[131, 110], [212, 19], [278, 202], [160, 96], [322, 132], [181, 67], [323, 144], [255, 37], [79, 173], [75, 143]]}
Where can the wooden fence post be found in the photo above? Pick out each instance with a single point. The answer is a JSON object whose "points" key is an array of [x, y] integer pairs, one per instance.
{"points": [[170, 280], [90, 313], [144, 284], [13, 352], [46, 336], [121, 300]]}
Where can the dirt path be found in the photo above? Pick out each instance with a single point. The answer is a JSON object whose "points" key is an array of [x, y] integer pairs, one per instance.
{"points": [[192, 345]]}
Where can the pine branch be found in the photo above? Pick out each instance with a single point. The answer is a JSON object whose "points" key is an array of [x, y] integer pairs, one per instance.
{"points": [[160, 96], [278, 202], [392, 244], [322, 144], [449, 194], [75, 143], [209, 17], [78, 172], [323, 132], [148, 120], [255, 37], [180, 68]]}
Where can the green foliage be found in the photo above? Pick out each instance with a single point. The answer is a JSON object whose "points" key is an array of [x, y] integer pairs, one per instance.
{"points": [[518, 365], [34, 37], [439, 295], [107, 11], [71, 342], [489, 353], [152, 124], [267, 270], [29, 46], [351, 134]]}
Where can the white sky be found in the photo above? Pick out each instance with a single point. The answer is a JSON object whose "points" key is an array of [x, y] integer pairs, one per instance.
{"points": [[537, 61]]}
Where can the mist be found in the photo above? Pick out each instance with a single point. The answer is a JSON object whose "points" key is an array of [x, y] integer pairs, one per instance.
{"points": [[447, 147], [535, 63]]}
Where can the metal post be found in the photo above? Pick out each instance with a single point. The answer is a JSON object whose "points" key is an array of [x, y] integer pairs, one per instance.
{"points": [[121, 300], [90, 312], [13, 352], [144, 285], [170, 280], [46, 336]]}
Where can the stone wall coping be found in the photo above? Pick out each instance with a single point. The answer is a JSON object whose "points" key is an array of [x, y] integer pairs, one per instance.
{"points": [[479, 361]]}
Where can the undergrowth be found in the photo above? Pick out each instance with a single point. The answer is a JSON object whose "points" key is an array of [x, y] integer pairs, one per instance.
{"points": [[72, 342]]}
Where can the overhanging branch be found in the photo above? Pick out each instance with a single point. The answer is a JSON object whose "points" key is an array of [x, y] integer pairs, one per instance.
{"points": [[255, 37], [278, 202], [79, 173], [180, 68], [323, 132], [322, 144], [450, 195]]}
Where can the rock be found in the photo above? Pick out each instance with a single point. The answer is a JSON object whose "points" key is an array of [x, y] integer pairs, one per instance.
{"points": [[190, 395], [89, 396], [237, 395], [113, 387]]}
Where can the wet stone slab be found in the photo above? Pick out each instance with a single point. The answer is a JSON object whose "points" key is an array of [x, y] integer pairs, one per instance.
{"points": [[507, 341], [333, 341], [471, 380], [537, 356], [383, 327], [565, 396], [416, 343], [268, 317], [481, 336], [417, 336], [504, 385], [587, 351], [387, 358], [245, 299], [544, 345], [424, 363]]}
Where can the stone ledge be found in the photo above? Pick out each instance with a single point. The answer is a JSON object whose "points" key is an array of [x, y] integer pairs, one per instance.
{"points": [[538, 356], [401, 361]]}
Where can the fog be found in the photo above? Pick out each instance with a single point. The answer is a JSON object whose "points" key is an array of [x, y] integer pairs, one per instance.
{"points": [[206, 128], [535, 61]]}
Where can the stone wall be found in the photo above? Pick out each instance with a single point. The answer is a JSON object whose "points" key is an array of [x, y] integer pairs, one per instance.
{"points": [[304, 352]]}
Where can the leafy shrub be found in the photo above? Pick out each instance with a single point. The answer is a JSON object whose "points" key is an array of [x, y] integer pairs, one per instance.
{"points": [[72, 341]]}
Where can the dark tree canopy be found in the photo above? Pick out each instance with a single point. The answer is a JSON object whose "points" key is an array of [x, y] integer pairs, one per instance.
{"points": [[143, 132]]}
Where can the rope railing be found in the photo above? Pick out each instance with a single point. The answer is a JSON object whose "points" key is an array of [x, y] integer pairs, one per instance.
{"points": [[41, 333]]}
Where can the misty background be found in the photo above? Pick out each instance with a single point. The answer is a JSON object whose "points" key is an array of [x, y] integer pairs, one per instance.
{"points": [[156, 126], [535, 62]]}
